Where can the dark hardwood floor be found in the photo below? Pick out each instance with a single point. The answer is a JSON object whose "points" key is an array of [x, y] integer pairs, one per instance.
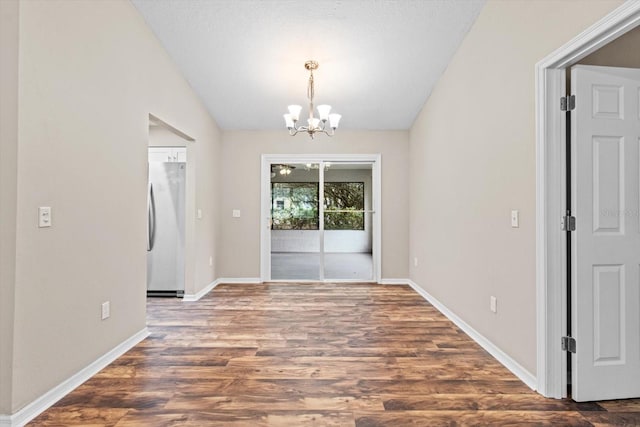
{"points": [[313, 354]]}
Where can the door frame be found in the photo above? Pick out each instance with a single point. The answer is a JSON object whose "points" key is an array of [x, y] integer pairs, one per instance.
{"points": [[551, 262], [265, 204]]}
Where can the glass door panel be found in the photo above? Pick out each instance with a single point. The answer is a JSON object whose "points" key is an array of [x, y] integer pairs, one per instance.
{"points": [[295, 222], [348, 221]]}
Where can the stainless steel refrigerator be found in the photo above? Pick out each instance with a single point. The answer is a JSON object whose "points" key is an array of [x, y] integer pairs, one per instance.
{"points": [[165, 229]]}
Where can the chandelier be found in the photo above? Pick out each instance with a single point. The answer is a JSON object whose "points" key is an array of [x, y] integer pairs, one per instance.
{"points": [[281, 169], [314, 124], [312, 166]]}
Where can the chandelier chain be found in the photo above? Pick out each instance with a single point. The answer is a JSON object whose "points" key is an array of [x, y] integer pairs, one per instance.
{"points": [[310, 93]]}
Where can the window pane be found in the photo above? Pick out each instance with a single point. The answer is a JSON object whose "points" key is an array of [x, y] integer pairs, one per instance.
{"points": [[294, 205], [344, 196], [344, 221]]}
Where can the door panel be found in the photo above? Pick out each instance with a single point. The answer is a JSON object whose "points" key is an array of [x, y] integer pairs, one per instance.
{"points": [[608, 305], [608, 180], [348, 221], [606, 244], [295, 228]]}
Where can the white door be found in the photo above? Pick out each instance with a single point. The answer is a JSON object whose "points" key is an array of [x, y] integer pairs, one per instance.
{"points": [[606, 244]]}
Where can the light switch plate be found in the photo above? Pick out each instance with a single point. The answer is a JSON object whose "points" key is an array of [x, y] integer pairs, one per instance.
{"points": [[515, 219], [199, 213], [44, 216], [106, 310], [236, 213]]}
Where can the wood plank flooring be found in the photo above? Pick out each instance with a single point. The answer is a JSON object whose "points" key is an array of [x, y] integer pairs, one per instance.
{"points": [[313, 355]]}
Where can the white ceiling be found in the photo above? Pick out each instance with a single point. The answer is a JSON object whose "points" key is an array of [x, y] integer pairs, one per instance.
{"points": [[379, 60]]}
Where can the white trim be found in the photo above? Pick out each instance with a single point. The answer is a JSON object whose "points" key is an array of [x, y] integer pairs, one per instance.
{"points": [[224, 280], [322, 281], [321, 216], [518, 370], [265, 191], [376, 183], [393, 281], [550, 205], [621, 20], [265, 218], [239, 280], [550, 182], [43, 402], [201, 293]]}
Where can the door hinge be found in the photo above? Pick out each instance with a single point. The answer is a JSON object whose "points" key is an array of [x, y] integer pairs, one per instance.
{"points": [[568, 223], [568, 103], [569, 344]]}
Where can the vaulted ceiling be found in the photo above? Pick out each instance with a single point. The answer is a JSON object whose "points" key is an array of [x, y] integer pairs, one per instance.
{"points": [[379, 60]]}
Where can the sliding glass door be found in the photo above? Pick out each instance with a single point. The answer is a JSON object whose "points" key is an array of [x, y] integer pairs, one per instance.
{"points": [[321, 221], [348, 225], [295, 222]]}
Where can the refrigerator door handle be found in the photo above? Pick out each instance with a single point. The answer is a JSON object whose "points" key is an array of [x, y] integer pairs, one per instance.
{"points": [[151, 219]]}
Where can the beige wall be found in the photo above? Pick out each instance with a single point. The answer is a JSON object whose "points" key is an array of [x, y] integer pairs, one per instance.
{"points": [[622, 52], [472, 160], [242, 151], [162, 137], [8, 188], [90, 73]]}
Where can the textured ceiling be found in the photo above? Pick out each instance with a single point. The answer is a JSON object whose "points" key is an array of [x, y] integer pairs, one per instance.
{"points": [[379, 60]]}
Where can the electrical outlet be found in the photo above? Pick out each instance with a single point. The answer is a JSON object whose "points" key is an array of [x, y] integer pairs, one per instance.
{"points": [[415, 261], [210, 261], [106, 310], [493, 305], [44, 216]]}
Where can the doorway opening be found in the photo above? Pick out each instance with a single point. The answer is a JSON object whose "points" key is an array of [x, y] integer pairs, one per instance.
{"points": [[321, 218], [169, 202], [552, 205]]}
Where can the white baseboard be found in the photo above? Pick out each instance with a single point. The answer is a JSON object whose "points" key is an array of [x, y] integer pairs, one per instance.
{"points": [[518, 370], [201, 293], [212, 285], [236, 280], [394, 281], [43, 402]]}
